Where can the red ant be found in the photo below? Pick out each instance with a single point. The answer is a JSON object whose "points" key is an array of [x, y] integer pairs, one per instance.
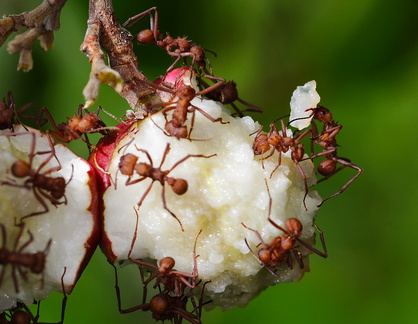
{"points": [[21, 314], [165, 305], [185, 94], [172, 280], [128, 166], [76, 126], [9, 115], [34, 261], [179, 47], [281, 142], [278, 250], [42, 185], [326, 139], [227, 93]]}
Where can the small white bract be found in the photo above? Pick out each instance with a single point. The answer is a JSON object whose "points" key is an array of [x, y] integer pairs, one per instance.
{"points": [[224, 191], [303, 98]]}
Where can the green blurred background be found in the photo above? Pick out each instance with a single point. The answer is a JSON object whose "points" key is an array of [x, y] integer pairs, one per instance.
{"points": [[364, 56]]}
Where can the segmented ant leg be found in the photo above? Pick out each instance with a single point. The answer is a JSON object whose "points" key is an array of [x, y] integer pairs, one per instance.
{"points": [[166, 208], [349, 182]]}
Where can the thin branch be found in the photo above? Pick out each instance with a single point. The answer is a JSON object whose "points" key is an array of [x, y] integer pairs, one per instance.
{"points": [[105, 32], [41, 22]]}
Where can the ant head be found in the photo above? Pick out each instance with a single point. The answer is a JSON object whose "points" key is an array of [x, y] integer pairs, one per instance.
{"points": [[145, 36], [264, 256], [166, 264], [322, 114], [126, 164], [58, 186], [198, 52], [20, 317], [294, 226], [179, 186], [21, 169], [229, 92]]}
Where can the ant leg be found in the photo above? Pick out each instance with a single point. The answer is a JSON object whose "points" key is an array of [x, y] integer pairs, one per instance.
{"points": [[349, 182], [135, 19], [166, 208]]}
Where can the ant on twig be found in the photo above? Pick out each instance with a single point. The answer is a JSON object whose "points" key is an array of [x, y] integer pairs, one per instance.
{"points": [[179, 47], [226, 94], [17, 259], [278, 250], [282, 143], [42, 185], [172, 280], [327, 140], [128, 166], [76, 126], [21, 314]]}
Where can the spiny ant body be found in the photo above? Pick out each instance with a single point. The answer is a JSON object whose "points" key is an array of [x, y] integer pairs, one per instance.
{"points": [[42, 184], [173, 281], [179, 47], [181, 106], [327, 140], [282, 143], [128, 166], [76, 126], [279, 249], [35, 262]]}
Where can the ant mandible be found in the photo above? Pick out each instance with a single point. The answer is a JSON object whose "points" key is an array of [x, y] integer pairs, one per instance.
{"points": [[278, 250], [128, 166], [179, 47], [42, 185], [34, 261]]}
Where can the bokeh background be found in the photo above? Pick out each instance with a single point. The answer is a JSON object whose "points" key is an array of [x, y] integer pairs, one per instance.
{"points": [[364, 56]]}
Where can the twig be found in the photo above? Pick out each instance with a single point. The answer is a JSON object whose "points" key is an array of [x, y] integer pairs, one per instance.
{"points": [[105, 32]]}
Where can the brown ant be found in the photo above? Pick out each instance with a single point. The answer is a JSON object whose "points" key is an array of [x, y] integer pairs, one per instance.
{"points": [[34, 261], [227, 93], [326, 139], [278, 250], [42, 185], [128, 166], [179, 47], [185, 94], [172, 280], [281, 142], [166, 306], [76, 126], [9, 115]]}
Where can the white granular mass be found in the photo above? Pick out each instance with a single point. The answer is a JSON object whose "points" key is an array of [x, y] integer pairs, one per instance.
{"points": [[223, 191]]}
